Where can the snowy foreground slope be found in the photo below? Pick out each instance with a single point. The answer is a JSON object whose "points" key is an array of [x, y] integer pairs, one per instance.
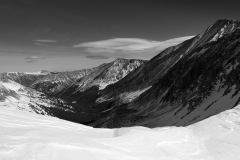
{"points": [[28, 136]]}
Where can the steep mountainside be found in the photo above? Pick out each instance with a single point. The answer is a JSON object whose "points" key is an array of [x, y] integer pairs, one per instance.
{"points": [[105, 75], [82, 94], [148, 74], [201, 81]]}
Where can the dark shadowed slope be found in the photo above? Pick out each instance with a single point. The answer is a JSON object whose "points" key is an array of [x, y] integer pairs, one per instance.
{"points": [[149, 73], [202, 81], [83, 94]]}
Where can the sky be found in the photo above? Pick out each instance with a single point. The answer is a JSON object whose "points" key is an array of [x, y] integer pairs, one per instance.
{"points": [[62, 35]]}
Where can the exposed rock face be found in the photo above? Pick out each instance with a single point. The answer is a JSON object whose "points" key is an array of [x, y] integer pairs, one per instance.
{"points": [[192, 81]]}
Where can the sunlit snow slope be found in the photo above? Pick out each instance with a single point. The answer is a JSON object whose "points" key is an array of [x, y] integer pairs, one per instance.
{"points": [[15, 95], [26, 136]]}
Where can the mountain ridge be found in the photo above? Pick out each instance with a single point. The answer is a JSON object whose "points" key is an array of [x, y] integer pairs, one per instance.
{"points": [[193, 76], [143, 109]]}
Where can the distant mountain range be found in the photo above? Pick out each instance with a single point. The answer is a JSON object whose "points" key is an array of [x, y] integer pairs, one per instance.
{"points": [[39, 92], [182, 85]]}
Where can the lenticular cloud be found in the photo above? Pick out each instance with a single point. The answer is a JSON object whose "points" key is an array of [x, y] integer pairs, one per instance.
{"points": [[119, 46]]}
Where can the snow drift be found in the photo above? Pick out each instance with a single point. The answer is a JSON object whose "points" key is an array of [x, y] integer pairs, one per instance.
{"points": [[27, 136]]}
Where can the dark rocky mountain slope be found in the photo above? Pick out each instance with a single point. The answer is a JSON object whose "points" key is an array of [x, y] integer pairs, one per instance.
{"points": [[149, 73], [182, 85], [82, 94]]}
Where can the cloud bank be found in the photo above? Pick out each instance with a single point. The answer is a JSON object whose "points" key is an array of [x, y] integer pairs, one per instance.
{"points": [[126, 47]]}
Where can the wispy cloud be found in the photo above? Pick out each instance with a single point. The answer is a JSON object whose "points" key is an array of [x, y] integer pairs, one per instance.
{"points": [[41, 44], [33, 59], [120, 47], [45, 41]]}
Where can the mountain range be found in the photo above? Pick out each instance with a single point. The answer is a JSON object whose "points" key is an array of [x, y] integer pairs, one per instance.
{"points": [[180, 86]]}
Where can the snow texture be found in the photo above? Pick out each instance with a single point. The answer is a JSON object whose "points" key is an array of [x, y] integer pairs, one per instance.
{"points": [[27, 136]]}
